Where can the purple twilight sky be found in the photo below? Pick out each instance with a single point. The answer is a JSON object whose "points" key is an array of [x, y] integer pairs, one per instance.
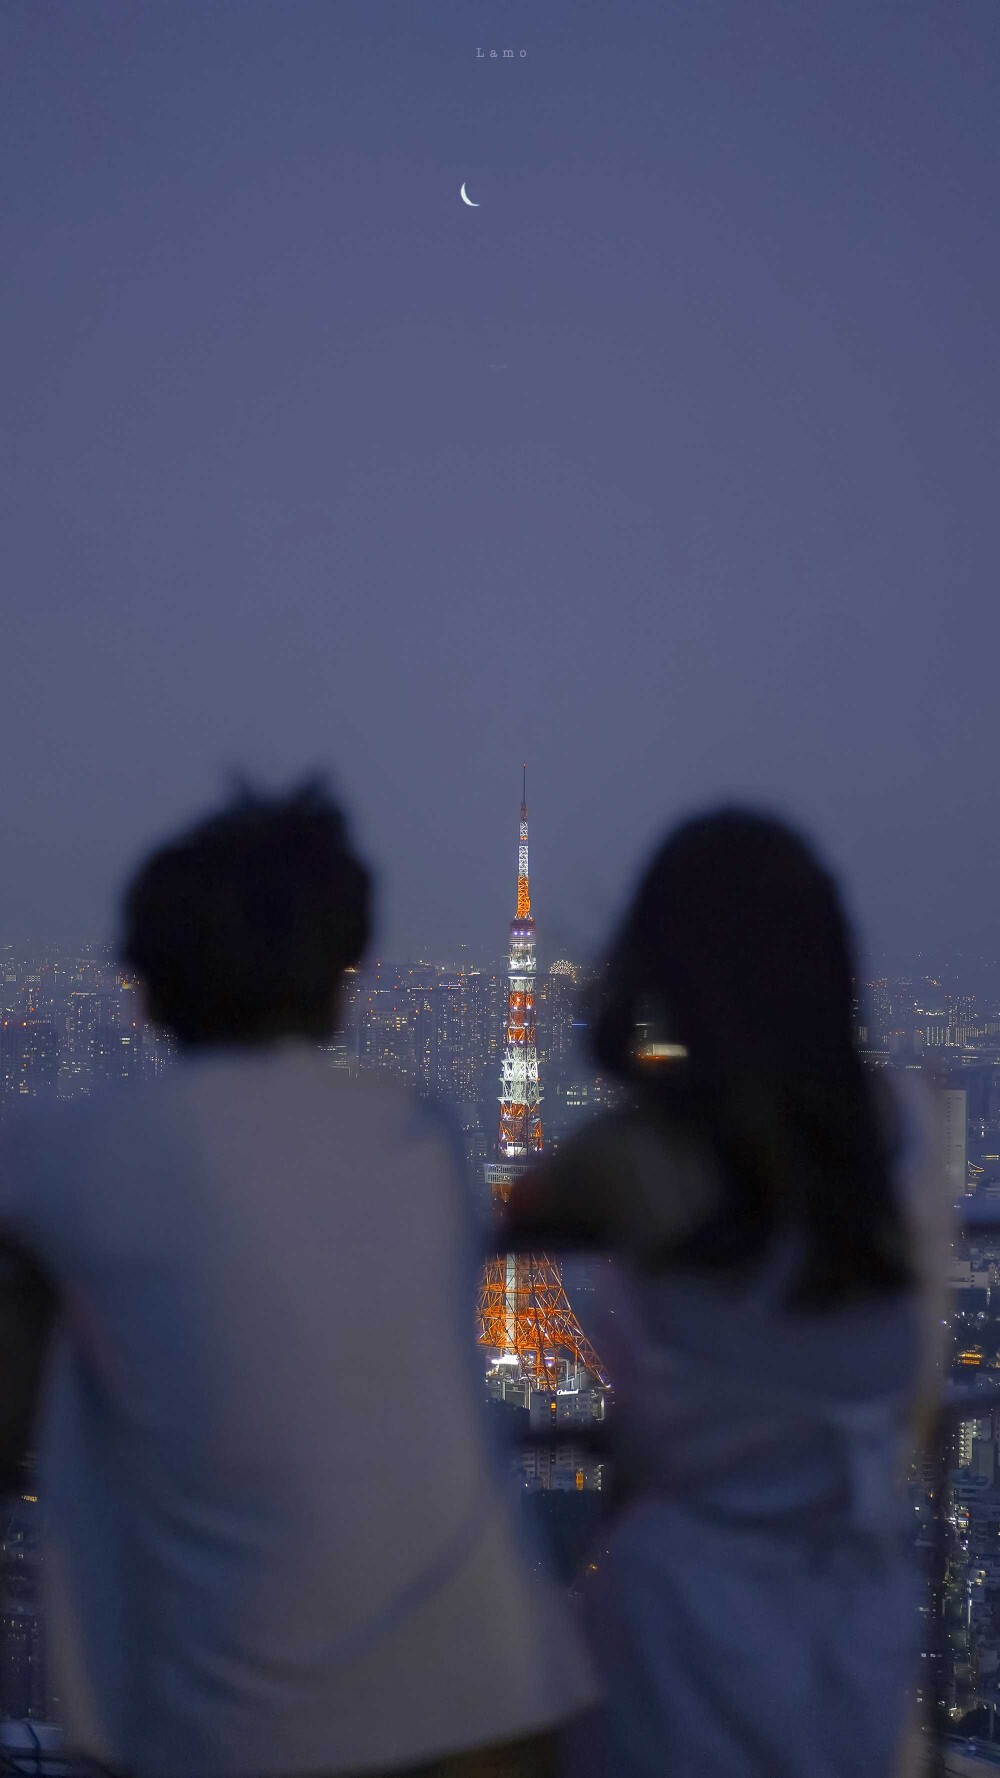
{"points": [[671, 468]]}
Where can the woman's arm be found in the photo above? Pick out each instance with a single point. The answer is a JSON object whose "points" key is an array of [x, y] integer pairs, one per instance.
{"points": [[566, 1200], [619, 1184], [586, 1193]]}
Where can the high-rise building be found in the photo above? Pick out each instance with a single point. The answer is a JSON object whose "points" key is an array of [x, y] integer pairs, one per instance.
{"points": [[387, 1033], [9, 983], [25, 1693], [116, 1055], [438, 1038], [29, 1061], [484, 1018], [558, 1016], [954, 1138]]}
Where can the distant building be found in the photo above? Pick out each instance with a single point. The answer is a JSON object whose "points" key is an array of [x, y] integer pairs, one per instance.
{"points": [[29, 1061], [575, 1096], [484, 1013], [25, 1693], [443, 1064], [568, 1467], [557, 1014], [954, 1138], [387, 1034], [116, 1056]]}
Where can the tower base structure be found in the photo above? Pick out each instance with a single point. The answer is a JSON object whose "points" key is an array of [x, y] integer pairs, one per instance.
{"points": [[526, 1321]]}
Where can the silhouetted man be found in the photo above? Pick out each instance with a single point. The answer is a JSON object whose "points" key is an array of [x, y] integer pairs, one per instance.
{"points": [[277, 1546]]}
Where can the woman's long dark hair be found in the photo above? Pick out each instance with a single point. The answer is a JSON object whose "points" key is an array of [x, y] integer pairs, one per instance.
{"points": [[736, 947]]}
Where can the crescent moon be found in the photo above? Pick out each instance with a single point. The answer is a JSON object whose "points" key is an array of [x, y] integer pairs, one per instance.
{"points": [[466, 199]]}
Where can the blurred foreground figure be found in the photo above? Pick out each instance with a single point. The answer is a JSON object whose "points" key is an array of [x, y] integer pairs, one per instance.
{"points": [[754, 1612], [278, 1546]]}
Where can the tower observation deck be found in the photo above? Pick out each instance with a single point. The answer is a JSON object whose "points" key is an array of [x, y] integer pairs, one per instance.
{"points": [[525, 1318]]}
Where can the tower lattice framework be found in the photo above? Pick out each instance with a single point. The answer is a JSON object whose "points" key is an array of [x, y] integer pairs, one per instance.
{"points": [[525, 1317]]}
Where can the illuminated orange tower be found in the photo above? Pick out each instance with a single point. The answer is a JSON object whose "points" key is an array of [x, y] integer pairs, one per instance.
{"points": [[525, 1318]]}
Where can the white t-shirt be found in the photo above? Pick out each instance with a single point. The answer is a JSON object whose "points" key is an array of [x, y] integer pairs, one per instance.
{"points": [[278, 1544]]}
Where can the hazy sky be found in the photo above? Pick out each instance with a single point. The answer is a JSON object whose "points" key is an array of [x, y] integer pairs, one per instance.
{"points": [[724, 523]]}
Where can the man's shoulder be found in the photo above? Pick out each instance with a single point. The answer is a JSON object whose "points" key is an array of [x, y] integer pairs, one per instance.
{"points": [[43, 1128], [396, 1113], [39, 1148], [376, 1089], [46, 1149]]}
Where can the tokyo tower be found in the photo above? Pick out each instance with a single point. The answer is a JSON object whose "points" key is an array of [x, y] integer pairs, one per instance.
{"points": [[525, 1318]]}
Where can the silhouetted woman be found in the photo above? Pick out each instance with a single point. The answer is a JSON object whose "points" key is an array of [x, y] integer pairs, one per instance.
{"points": [[753, 1609]]}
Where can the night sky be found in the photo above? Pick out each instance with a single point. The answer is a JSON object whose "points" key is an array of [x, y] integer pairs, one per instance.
{"points": [[723, 522]]}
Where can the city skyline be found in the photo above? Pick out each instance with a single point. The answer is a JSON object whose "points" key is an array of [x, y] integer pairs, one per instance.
{"points": [[71, 1028]]}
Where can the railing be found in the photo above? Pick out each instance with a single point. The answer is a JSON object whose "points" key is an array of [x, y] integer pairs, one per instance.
{"points": [[31, 1750]]}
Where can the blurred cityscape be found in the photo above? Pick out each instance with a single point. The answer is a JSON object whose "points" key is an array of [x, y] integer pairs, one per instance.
{"points": [[72, 1025]]}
